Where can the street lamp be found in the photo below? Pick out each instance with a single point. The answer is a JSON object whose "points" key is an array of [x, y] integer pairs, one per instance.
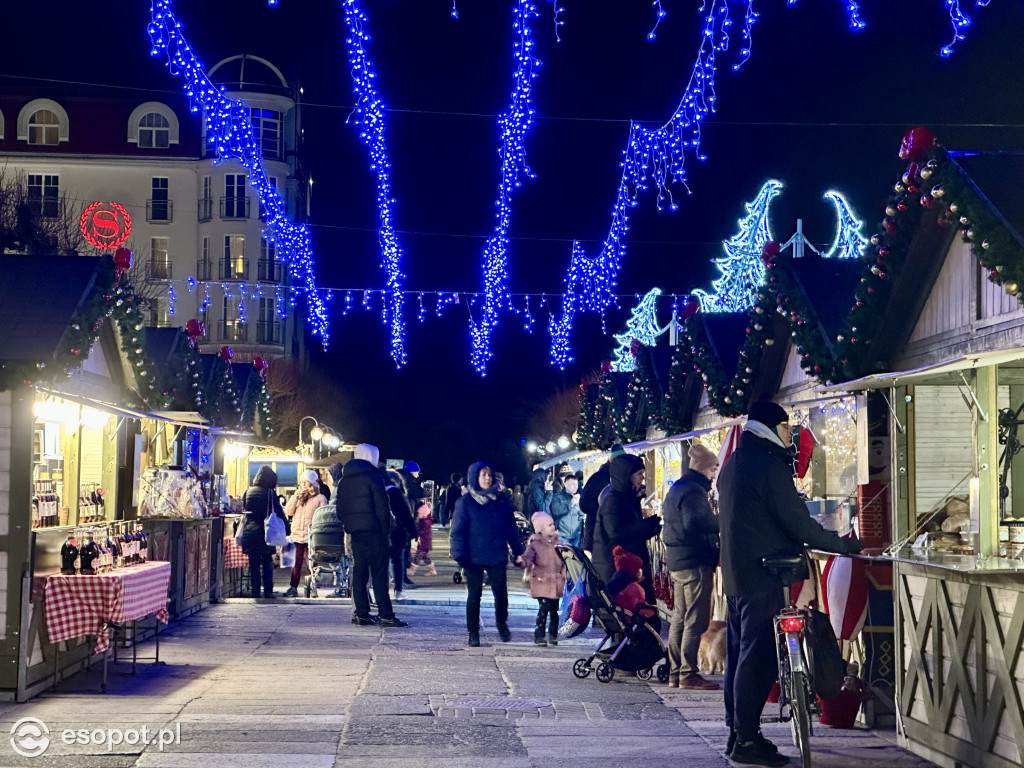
{"points": [[331, 440], [314, 433], [531, 447], [563, 442]]}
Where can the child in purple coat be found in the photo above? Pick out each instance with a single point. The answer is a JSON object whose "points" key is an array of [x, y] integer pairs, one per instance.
{"points": [[424, 521]]}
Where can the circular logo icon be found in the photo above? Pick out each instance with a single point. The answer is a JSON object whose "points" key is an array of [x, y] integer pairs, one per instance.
{"points": [[30, 737], [105, 225]]}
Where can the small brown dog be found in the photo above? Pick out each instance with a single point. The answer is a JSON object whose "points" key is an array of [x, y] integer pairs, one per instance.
{"points": [[711, 656]]}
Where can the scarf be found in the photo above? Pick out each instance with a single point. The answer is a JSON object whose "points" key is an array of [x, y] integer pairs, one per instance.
{"points": [[482, 496], [764, 431]]}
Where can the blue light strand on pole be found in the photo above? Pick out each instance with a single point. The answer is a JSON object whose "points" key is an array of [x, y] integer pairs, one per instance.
{"points": [[650, 155], [514, 123], [742, 269], [369, 116], [230, 132], [850, 240]]}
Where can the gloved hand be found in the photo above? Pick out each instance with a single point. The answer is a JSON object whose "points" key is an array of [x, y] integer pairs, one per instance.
{"points": [[854, 546], [653, 525]]}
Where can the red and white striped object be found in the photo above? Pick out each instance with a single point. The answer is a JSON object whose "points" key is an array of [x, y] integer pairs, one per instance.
{"points": [[844, 588]]}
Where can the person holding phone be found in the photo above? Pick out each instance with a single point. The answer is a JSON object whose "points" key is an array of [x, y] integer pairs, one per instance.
{"points": [[539, 493]]}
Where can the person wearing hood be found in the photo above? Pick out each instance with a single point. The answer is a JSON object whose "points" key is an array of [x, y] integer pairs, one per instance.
{"points": [[590, 497], [403, 531], [691, 553], [364, 510], [761, 515], [565, 510], [483, 531], [547, 576], [620, 521], [259, 501], [538, 493], [299, 509]]}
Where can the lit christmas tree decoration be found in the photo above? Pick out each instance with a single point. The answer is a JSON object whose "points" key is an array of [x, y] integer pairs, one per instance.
{"points": [[369, 116], [850, 241], [229, 131], [742, 268], [641, 327], [514, 123]]}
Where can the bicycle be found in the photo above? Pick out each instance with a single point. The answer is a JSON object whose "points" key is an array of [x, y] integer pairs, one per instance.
{"points": [[797, 702]]}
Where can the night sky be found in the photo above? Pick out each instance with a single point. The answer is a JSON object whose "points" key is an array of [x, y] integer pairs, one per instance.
{"points": [[816, 106]]}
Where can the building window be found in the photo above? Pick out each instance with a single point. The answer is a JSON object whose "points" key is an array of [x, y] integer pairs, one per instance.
{"points": [[160, 313], [154, 131], [204, 267], [159, 259], [44, 128], [266, 128], [268, 325], [234, 266], [159, 205], [234, 204], [270, 270], [272, 180], [232, 328], [206, 199], [44, 194]]}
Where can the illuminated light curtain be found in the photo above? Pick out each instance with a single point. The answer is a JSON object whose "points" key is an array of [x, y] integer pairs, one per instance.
{"points": [[514, 123], [229, 131], [850, 240], [642, 326], [368, 115]]}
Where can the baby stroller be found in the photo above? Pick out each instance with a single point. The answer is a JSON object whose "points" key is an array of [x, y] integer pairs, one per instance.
{"points": [[628, 645], [327, 553]]}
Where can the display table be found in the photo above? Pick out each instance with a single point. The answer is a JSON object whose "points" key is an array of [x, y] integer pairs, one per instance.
{"points": [[79, 606]]}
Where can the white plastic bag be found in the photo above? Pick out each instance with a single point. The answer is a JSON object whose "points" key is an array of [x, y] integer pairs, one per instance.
{"points": [[276, 535], [288, 555]]}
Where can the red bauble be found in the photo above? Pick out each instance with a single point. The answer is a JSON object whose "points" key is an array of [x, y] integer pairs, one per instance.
{"points": [[917, 142], [122, 261], [890, 227], [226, 354], [606, 366], [690, 307], [194, 329], [901, 206], [260, 364], [927, 201], [770, 251], [943, 222]]}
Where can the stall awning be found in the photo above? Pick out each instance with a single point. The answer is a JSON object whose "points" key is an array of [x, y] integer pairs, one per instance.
{"points": [[928, 372], [177, 418]]}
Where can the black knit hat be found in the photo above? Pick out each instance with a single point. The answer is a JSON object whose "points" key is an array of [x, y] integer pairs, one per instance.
{"points": [[768, 413]]}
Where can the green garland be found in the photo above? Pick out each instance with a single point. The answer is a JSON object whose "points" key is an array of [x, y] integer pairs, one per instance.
{"points": [[815, 352], [672, 416]]}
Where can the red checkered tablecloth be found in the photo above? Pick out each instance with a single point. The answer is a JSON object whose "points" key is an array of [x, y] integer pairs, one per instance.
{"points": [[234, 557], [78, 605]]}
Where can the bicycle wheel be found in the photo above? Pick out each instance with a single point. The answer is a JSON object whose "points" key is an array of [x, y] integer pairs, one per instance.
{"points": [[801, 722]]}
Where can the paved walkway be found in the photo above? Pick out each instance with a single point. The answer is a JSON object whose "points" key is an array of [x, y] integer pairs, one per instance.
{"points": [[294, 683]]}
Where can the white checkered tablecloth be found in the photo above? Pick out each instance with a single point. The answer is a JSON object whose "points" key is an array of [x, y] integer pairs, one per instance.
{"points": [[77, 606], [234, 557]]}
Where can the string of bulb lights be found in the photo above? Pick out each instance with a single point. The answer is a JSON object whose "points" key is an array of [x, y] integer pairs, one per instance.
{"points": [[229, 131], [651, 157]]}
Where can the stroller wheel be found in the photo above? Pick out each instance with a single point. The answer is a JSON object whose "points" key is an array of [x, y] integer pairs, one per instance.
{"points": [[581, 668], [663, 672], [605, 672], [645, 674], [457, 577]]}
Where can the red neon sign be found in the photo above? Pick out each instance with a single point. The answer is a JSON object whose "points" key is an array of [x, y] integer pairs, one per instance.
{"points": [[105, 225]]}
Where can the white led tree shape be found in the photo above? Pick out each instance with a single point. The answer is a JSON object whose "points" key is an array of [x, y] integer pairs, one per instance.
{"points": [[850, 241], [742, 269], [642, 326]]}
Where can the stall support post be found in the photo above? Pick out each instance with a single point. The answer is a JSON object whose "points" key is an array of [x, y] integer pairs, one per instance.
{"points": [[1017, 462], [988, 461], [901, 443]]}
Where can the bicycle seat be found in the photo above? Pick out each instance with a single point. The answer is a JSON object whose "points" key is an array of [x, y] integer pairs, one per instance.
{"points": [[789, 569]]}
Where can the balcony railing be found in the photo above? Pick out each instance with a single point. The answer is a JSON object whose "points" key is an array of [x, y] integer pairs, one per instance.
{"points": [[233, 269], [158, 270], [205, 208], [269, 333], [269, 271], [159, 211], [204, 270], [232, 330], [234, 207]]}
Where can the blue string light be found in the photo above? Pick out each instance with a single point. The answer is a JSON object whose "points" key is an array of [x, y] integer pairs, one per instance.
{"points": [[960, 22], [514, 123], [369, 116], [559, 13], [642, 326], [853, 13], [850, 241], [659, 14], [742, 268], [229, 131]]}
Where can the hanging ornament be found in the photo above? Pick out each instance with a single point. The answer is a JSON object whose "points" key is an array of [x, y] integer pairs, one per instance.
{"points": [[260, 364], [606, 366], [691, 306], [917, 142], [226, 354], [770, 251], [122, 261], [194, 329], [1011, 288]]}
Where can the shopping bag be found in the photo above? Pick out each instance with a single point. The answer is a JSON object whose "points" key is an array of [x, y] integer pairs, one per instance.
{"points": [[288, 555], [827, 662], [574, 613], [239, 527], [276, 533]]}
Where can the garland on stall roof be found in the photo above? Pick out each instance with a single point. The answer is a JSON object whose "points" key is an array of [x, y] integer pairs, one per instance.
{"points": [[586, 423], [672, 403], [793, 305]]}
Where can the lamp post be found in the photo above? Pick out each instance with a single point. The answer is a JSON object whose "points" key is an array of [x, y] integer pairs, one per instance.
{"points": [[314, 433]]}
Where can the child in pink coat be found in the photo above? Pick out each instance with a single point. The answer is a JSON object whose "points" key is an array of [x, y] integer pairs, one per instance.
{"points": [[547, 576], [425, 541]]}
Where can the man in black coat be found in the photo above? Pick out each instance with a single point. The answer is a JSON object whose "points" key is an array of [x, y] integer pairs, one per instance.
{"points": [[589, 497], [621, 523], [761, 515], [452, 494], [364, 510], [691, 553]]}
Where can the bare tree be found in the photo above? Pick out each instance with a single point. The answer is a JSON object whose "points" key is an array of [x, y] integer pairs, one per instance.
{"points": [[297, 392], [25, 229], [557, 416]]}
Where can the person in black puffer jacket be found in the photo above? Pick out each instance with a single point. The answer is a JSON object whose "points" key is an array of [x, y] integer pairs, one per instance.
{"points": [[761, 515], [590, 497], [258, 501], [483, 531], [403, 531], [691, 553], [364, 510], [620, 521]]}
